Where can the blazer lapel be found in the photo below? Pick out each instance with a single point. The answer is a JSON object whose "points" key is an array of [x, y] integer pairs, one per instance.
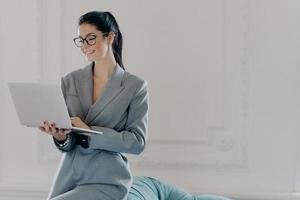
{"points": [[84, 87], [112, 89]]}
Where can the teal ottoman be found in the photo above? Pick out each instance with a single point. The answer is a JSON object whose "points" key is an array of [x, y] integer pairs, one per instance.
{"points": [[147, 188]]}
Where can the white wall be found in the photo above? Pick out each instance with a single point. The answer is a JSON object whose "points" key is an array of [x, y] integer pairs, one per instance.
{"points": [[224, 91]]}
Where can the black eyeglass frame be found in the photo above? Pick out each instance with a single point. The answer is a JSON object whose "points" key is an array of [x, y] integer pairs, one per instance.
{"points": [[85, 39]]}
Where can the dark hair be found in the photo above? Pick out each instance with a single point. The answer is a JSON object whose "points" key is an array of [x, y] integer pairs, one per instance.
{"points": [[106, 22]]}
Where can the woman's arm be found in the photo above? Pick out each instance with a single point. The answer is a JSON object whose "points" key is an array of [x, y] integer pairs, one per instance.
{"points": [[72, 139]]}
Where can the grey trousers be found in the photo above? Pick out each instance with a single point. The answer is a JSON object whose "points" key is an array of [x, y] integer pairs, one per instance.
{"points": [[66, 187], [91, 192]]}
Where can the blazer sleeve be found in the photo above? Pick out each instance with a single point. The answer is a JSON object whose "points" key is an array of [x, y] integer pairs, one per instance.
{"points": [[133, 138], [67, 145], [71, 140]]}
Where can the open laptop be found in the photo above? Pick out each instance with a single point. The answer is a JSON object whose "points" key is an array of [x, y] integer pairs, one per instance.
{"points": [[37, 102]]}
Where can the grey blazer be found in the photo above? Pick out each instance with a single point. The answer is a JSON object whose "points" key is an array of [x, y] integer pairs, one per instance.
{"points": [[121, 113]]}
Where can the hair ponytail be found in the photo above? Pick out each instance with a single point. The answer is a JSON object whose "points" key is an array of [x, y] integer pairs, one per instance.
{"points": [[118, 41]]}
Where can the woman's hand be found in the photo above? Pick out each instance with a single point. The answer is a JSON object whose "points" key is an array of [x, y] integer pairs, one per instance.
{"points": [[77, 122], [57, 133]]}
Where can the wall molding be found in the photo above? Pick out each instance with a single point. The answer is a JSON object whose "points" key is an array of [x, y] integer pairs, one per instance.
{"points": [[219, 141], [50, 59], [297, 142], [1, 83]]}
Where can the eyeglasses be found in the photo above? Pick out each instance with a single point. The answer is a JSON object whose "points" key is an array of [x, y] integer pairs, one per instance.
{"points": [[90, 40]]}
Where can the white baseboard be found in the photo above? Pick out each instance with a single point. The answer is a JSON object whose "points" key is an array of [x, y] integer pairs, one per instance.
{"points": [[26, 194], [12, 194], [265, 196]]}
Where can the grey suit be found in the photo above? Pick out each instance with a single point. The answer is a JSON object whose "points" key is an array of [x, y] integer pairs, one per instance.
{"points": [[101, 171]]}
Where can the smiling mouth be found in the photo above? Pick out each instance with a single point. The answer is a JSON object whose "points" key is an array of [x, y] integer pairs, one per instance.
{"points": [[89, 53]]}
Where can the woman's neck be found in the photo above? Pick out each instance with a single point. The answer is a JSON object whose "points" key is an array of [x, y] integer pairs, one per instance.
{"points": [[104, 68]]}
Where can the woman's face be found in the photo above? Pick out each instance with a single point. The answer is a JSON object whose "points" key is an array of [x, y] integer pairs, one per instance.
{"points": [[98, 47]]}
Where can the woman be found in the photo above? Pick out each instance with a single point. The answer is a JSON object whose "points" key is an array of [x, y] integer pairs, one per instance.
{"points": [[103, 97]]}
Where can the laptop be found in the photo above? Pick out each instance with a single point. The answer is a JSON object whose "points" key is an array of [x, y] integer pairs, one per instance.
{"points": [[37, 102]]}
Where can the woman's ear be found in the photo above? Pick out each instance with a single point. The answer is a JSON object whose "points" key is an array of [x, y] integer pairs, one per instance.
{"points": [[111, 37]]}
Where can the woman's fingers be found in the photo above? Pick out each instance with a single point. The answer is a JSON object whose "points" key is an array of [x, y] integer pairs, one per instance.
{"points": [[72, 120], [50, 128], [61, 132], [53, 129], [46, 126], [41, 128], [66, 131]]}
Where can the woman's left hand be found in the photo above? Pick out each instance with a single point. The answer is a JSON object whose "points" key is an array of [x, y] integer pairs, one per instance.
{"points": [[77, 122]]}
